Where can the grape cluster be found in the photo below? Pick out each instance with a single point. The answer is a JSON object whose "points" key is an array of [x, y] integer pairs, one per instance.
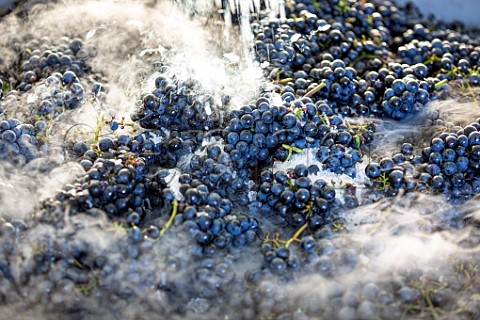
{"points": [[346, 62], [451, 162], [20, 143], [340, 150], [294, 44], [264, 132], [391, 177], [177, 104], [406, 96], [255, 133], [56, 76], [43, 57], [209, 218], [216, 170], [62, 92], [116, 186], [448, 165], [340, 86], [295, 198], [315, 251], [446, 53]]}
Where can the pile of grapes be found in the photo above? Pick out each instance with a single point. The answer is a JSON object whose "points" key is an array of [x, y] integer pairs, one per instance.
{"points": [[193, 206]]}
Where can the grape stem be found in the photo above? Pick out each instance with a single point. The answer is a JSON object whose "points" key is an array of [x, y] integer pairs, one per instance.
{"points": [[315, 90], [170, 221], [432, 60], [291, 149], [441, 84], [296, 235], [426, 295], [98, 128], [283, 81], [324, 118]]}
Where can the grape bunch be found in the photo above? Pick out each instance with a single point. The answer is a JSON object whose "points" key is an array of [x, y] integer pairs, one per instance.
{"points": [[40, 58], [218, 172], [295, 198], [450, 163], [21, 143], [265, 132], [446, 53], [210, 219], [448, 166], [117, 187], [177, 104], [406, 96], [62, 92]]}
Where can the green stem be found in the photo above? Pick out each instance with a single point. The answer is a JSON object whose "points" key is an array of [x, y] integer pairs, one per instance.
{"points": [[432, 60], [358, 141], [291, 149], [315, 90], [296, 235], [170, 221], [441, 84], [283, 81], [324, 119], [430, 304], [98, 128]]}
